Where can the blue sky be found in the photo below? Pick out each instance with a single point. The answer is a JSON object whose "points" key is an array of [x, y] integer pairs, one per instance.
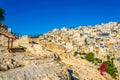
{"points": [[40, 16]]}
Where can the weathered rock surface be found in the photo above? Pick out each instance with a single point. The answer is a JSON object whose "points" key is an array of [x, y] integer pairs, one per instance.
{"points": [[49, 57], [46, 71]]}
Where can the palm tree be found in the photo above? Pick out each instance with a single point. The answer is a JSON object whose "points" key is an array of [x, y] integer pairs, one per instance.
{"points": [[2, 14]]}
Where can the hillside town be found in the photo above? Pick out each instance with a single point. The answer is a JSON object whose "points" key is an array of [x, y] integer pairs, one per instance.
{"points": [[53, 54], [101, 39]]}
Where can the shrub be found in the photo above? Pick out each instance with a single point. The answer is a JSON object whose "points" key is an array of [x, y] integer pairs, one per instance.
{"points": [[50, 40], [108, 58], [110, 68], [83, 53], [76, 53], [86, 41], [90, 57], [98, 60]]}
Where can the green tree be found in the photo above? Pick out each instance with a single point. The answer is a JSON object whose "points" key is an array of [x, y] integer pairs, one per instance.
{"points": [[2, 15], [86, 41]]}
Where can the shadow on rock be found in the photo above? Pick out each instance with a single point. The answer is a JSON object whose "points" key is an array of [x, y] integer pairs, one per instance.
{"points": [[71, 76]]}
